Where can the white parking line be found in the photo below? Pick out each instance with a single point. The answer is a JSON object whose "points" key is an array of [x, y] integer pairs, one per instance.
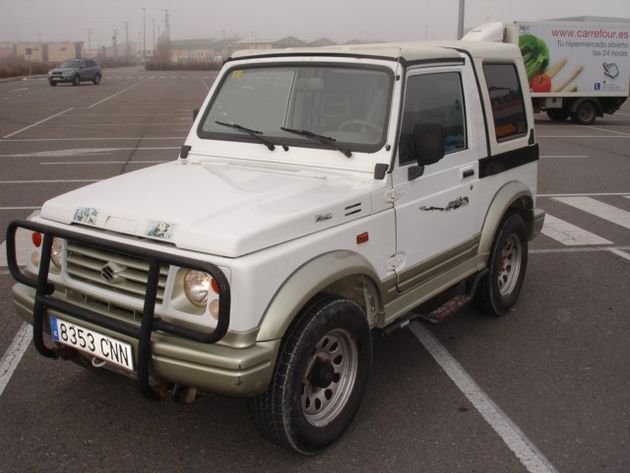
{"points": [[72, 163], [36, 123], [583, 136], [610, 131], [527, 453], [599, 209], [68, 153], [116, 94], [47, 181], [618, 252], [569, 234], [595, 194], [583, 249], [566, 156], [14, 353], [137, 138], [112, 124]]}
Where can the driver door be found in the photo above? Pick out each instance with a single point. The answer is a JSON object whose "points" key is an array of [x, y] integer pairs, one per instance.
{"points": [[437, 210]]}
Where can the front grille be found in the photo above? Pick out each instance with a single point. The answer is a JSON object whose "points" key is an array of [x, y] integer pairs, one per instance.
{"points": [[124, 274]]}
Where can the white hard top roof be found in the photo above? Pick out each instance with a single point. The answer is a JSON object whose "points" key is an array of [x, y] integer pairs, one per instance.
{"points": [[409, 52]]}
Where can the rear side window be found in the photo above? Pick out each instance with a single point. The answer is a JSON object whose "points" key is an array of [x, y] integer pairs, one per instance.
{"points": [[506, 98]]}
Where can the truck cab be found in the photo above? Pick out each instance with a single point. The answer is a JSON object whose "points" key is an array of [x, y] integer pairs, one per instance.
{"points": [[320, 196]]}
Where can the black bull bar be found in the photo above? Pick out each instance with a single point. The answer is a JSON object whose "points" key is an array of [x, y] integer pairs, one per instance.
{"points": [[44, 290]]}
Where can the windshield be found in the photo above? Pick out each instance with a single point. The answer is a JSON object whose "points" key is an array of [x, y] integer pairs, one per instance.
{"points": [[70, 64], [344, 105]]}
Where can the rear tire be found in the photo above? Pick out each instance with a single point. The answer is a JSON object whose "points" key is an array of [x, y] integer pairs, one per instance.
{"points": [[320, 377], [76, 80], [499, 289], [585, 113], [557, 114]]}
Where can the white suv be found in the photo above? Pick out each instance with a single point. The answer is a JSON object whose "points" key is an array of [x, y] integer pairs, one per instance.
{"points": [[320, 195]]}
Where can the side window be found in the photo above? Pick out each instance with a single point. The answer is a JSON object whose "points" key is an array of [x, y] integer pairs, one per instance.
{"points": [[433, 100], [506, 98]]}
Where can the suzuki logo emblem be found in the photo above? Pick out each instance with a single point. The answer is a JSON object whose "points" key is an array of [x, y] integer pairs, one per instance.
{"points": [[112, 273]]}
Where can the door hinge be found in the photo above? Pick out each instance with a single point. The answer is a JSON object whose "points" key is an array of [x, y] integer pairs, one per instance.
{"points": [[393, 195], [396, 262]]}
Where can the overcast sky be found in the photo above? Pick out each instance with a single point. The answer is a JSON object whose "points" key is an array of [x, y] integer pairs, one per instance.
{"points": [[340, 20]]}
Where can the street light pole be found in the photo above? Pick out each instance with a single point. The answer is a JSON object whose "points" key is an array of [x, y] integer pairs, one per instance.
{"points": [[144, 33], [460, 22], [153, 43], [127, 50]]}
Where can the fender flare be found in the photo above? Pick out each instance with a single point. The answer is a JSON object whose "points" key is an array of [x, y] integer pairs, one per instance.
{"points": [[513, 194], [307, 281]]}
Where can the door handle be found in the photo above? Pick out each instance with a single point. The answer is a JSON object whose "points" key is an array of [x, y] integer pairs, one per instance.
{"points": [[468, 173]]}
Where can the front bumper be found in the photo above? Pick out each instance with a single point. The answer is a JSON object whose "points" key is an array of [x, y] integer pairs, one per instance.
{"points": [[162, 351], [217, 368], [60, 78]]}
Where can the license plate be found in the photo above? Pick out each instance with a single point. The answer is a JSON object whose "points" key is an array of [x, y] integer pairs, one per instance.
{"points": [[101, 346]]}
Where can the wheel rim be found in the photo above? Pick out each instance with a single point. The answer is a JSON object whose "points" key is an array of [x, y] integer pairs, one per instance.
{"points": [[329, 377], [586, 112], [509, 265]]}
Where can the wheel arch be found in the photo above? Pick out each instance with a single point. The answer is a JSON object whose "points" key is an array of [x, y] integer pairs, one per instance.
{"points": [[342, 273], [577, 102], [513, 195]]}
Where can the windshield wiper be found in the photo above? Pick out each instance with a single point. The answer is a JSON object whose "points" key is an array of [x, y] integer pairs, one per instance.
{"points": [[327, 140], [254, 133]]}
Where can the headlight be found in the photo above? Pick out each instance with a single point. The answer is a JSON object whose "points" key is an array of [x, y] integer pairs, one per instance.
{"points": [[56, 252], [196, 287]]}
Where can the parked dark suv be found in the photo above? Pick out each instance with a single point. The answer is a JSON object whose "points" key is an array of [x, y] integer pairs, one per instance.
{"points": [[76, 71]]}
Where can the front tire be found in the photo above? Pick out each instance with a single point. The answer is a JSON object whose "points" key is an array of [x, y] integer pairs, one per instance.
{"points": [[76, 80], [97, 79], [320, 377], [499, 289], [52, 83]]}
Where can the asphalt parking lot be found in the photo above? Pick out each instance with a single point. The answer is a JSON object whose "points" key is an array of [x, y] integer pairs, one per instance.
{"points": [[545, 388]]}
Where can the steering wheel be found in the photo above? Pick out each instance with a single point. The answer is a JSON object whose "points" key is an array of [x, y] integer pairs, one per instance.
{"points": [[361, 123]]}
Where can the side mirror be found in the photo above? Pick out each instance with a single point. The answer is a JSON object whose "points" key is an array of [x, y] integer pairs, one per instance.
{"points": [[195, 113], [428, 143]]}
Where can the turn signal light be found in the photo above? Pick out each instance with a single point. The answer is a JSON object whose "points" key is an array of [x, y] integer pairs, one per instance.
{"points": [[363, 238], [36, 237]]}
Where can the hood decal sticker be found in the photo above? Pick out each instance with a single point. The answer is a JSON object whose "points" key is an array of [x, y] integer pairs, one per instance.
{"points": [[85, 215], [160, 230]]}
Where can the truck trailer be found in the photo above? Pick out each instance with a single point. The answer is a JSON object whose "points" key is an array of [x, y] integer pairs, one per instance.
{"points": [[575, 69]]}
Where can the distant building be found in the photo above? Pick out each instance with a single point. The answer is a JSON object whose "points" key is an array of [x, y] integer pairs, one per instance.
{"points": [[43, 52], [289, 42], [36, 51], [321, 42], [7, 50], [122, 51], [199, 50], [58, 52]]}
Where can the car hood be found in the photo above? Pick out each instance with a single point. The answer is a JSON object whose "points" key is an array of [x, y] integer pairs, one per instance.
{"points": [[225, 209], [62, 69]]}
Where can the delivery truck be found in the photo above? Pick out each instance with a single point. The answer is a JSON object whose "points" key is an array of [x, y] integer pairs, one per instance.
{"points": [[575, 69]]}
